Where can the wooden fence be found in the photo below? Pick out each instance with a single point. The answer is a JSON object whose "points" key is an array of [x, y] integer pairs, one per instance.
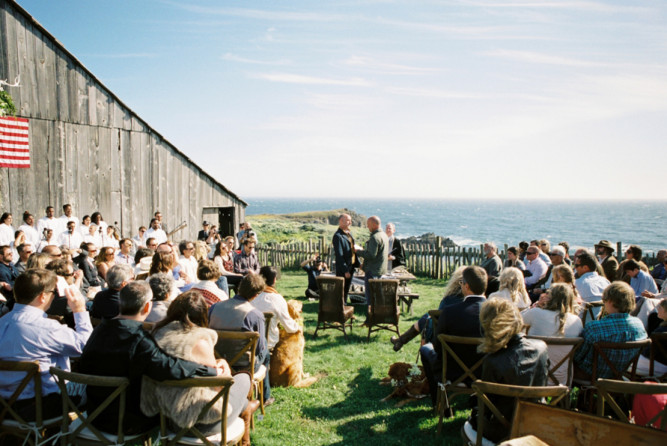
{"points": [[425, 259]]}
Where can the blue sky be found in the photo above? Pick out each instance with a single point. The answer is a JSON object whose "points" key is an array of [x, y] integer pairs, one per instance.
{"points": [[513, 99]]}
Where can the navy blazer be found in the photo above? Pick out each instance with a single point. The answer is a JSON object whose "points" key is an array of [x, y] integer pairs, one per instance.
{"points": [[343, 252]]}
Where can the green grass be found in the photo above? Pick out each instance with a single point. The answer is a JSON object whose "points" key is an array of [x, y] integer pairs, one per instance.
{"points": [[344, 407]]}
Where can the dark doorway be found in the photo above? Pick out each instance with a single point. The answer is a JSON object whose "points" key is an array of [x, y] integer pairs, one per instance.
{"points": [[226, 221]]}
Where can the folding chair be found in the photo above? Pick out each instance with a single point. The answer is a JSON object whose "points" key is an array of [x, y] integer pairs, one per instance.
{"points": [[590, 312], [482, 388], [332, 312], [447, 390], [238, 348], [384, 310], [658, 344], [11, 423], [268, 316], [81, 430], [606, 387], [619, 371], [229, 434], [435, 316]]}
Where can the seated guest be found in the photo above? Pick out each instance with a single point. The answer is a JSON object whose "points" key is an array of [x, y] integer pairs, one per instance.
{"points": [[545, 249], [492, 265], [238, 314], [124, 254], [164, 262], [396, 253], [513, 359], [460, 319], [247, 262], [313, 266], [106, 303], [85, 261], [424, 325], [66, 277], [184, 334], [139, 240], [512, 289], [161, 285], [187, 261], [605, 252], [513, 260], [224, 259], [24, 250], [8, 273], [659, 273], [640, 281], [141, 254], [536, 269], [589, 283], [616, 326], [121, 347], [558, 319], [104, 261], [557, 256], [26, 334], [634, 252], [93, 236], [208, 274], [660, 364], [270, 301]]}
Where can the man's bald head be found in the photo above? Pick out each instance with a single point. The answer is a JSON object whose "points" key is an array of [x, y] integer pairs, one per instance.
{"points": [[344, 222], [373, 223]]}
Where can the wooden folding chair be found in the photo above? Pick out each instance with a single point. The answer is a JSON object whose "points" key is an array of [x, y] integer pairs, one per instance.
{"points": [[229, 434], [606, 387], [239, 348], [435, 316], [447, 390], [658, 344], [332, 312], [589, 311], [601, 352], [268, 316], [482, 388], [11, 423], [81, 431], [384, 310]]}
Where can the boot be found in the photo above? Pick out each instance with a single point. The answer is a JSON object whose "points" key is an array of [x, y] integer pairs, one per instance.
{"points": [[404, 338], [246, 416]]}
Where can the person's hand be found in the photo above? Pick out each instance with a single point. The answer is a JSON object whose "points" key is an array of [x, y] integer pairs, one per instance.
{"points": [[6, 286], [347, 275], [648, 294], [75, 299], [223, 368], [390, 257]]}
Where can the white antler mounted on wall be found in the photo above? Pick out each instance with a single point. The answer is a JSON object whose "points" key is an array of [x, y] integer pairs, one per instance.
{"points": [[16, 83]]}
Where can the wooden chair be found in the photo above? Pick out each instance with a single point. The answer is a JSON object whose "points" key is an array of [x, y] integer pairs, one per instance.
{"points": [[557, 426], [558, 343], [435, 316], [81, 431], [229, 434], [606, 387], [482, 388], [384, 312], [601, 352], [11, 423], [589, 311], [658, 344], [238, 348], [447, 390], [268, 316], [333, 313]]}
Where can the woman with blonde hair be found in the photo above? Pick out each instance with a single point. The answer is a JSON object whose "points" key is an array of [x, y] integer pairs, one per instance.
{"points": [[512, 288], [105, 260], [512, 359]]}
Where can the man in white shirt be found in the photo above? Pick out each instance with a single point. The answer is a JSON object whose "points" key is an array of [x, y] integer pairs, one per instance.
{"points": [[535, 265], [124, 255], [67, 217], [156, 232], [271, 301], [48, 222], [139, 240], [71, 238], [187, 261]]}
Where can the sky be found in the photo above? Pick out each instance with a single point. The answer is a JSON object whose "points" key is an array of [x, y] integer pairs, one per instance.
{"points": [[454, 99]]}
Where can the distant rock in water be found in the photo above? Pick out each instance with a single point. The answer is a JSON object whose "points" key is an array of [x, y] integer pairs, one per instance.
{"points": [[430, 237], [326, 217]]}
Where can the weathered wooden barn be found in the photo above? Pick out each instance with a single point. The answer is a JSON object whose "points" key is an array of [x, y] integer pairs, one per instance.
{"points": [[91, 150]]}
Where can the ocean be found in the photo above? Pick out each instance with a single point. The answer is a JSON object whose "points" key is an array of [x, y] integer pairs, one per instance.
{"points": [[471, 222]]}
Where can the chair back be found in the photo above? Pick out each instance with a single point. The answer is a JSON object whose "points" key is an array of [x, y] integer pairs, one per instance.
{"points": [[332, 298], [591, 311], [617, 357], [117, 388], [222, 384], [148, 326], [538, 393], [30, 370], [658, 344], [268, 316], [383, 301], [470, 371], [238, 348], [561, 355], [435, 316], [606, 387]]}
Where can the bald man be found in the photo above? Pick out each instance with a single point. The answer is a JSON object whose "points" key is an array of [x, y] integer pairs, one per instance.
{"points": [[375, 254], [343, 246]]}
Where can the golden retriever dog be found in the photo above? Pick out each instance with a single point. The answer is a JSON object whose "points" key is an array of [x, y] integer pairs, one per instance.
{"points": [[287, 357], [408, 381]]}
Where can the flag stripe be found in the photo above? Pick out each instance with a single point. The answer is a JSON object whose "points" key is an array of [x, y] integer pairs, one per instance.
{"points": [[14, 142]]}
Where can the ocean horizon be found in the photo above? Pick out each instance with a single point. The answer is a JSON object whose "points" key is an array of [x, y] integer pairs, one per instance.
{"points": [[470, 222]]}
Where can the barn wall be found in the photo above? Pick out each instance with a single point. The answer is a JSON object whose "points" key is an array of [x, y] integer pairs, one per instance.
{"points": [[88, 148]]}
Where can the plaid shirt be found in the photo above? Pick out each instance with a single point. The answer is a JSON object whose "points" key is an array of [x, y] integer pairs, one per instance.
{"points": [[617, 327]]}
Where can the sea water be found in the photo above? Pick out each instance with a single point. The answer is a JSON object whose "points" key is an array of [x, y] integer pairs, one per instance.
{"points": [[471, 222]]}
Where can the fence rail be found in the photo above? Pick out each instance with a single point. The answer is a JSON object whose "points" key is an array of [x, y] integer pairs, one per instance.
{"points": [[425, 259]]}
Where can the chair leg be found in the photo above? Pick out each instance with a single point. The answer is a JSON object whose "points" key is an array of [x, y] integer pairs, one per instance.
{"points": [[261, 395]]}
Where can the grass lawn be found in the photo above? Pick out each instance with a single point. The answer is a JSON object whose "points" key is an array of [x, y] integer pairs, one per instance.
{"points": [[344, 407]]}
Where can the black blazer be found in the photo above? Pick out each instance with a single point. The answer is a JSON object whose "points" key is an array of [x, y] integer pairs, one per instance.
{"points": [[398, 253], [343, 252]]}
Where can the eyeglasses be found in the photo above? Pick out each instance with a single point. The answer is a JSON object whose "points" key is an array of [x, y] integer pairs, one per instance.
{"points": [[68, 274], [530, 253]]}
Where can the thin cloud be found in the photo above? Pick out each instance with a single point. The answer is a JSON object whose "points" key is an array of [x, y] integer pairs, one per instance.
{"points": [[540, 58], [289, 78], [573, 5], [262, 15], [370, 64], [123, 55], [433, 93], [234, 58]]}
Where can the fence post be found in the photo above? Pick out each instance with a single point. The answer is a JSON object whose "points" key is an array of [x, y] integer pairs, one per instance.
{"points": [[438, 258]]}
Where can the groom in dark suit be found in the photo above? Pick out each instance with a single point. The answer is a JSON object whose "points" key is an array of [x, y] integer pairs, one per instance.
{"points": [[343, 245]]}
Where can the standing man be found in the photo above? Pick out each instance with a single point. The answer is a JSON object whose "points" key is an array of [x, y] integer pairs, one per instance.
{"points": [[396, 252], [604, 251], [67, 217], [205, 232], [70, 239], [346, 258], [375, 255], [48, 222], [156, 232]]}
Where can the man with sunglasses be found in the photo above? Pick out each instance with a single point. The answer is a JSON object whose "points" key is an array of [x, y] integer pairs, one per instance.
{"points": [[535, 266]]}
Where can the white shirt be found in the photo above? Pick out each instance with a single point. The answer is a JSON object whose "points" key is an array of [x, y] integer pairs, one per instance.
{"points": [[71, 241], [64, 219], [84, 230], [6, 234], [189, 267], [31, 234], [275, 303], [48, 223], [94, 239], [139, 241], [158, 234], [43, 243]]}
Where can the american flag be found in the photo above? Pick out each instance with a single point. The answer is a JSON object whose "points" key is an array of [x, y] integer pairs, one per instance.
{"points": [[14, 146]]}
